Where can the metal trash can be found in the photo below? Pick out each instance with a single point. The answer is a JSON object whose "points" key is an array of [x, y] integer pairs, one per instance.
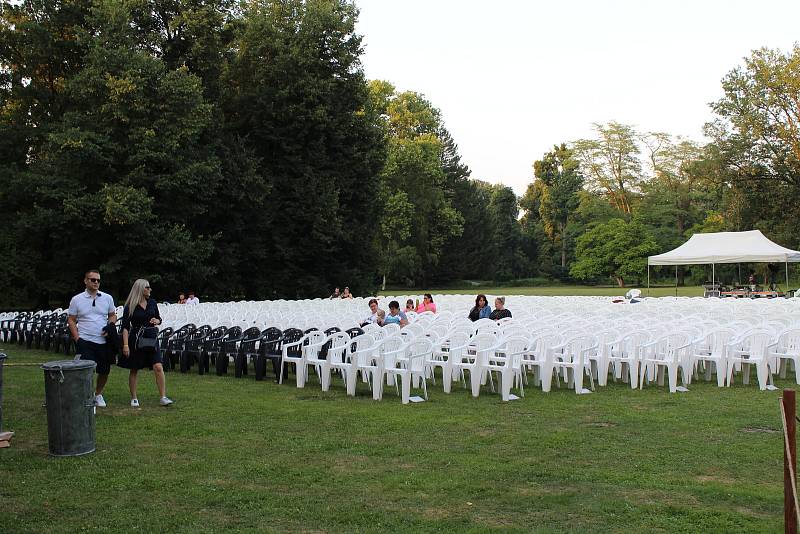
{"points": [[69, 398], [2, 358]]}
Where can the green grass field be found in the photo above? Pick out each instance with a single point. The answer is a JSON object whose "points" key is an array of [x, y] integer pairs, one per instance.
{"points": [[255, 456], [555, 290]]}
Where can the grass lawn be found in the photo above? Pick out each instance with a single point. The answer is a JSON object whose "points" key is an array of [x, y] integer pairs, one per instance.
{"points": [[555, 290], [246, 455]]}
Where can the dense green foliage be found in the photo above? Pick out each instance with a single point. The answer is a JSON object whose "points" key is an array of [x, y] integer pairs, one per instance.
{"points": [[236, 454], [236, 148]]}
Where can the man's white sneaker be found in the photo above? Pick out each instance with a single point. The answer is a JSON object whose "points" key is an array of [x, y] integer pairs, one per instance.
{"points": [[165, 401], [134, 403], [99, 401]]}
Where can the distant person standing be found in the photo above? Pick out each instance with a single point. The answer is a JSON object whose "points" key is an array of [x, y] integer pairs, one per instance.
{"points": [[89, 313], [141, 312], [192, 299]]}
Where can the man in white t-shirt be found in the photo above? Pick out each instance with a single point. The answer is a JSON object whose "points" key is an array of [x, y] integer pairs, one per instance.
{"points": [[192, 299], [89, 312]]}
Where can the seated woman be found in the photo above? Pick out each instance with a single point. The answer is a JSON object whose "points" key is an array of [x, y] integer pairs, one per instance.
{"points": [[426, 304], [481, 309], [346, 293], [500, 311], [374, 314], [395, 316], [409, 305]]}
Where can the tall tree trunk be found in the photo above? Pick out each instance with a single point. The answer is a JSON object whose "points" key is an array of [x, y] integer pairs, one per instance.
{"points": [[561, 227], [383, 284], [620, 281]]}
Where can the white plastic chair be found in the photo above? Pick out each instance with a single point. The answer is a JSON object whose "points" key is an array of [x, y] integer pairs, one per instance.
{"points": [[751, 349], [411, 366]]}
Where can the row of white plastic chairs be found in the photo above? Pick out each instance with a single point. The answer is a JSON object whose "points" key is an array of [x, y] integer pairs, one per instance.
{"points": [[512, 351]]}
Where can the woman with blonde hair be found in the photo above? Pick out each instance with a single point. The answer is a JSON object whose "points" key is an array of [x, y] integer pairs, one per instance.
{"points": [[141, 312]]}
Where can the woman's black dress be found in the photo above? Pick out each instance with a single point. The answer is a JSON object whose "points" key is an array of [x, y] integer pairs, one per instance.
{"points": [[133, 323]]}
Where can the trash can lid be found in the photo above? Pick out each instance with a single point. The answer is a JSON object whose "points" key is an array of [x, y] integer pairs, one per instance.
{"points": [[68, 365]]}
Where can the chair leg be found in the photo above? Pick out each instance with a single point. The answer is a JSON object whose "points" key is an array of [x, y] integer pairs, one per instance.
{"points": [[475, 380], [673, 378], [722, 371], [405, 380], [447, 380], [505, 385], [762, 371]]}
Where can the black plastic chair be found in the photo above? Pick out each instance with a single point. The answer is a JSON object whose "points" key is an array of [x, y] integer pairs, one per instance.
{"points": [[228, 348], [175, 346], [269, 348], [211, 346], [192, 348], [248, 349]]}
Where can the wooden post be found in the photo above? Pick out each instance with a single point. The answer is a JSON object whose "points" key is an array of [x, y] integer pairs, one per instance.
{"points": [[789, 513]]}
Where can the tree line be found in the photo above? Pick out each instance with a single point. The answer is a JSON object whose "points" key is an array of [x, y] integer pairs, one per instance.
{"points": [[236, 148]]}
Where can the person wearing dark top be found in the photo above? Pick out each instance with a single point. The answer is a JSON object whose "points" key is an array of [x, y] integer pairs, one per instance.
{"points": [[144, 314], [481, 309], [500, 311]]}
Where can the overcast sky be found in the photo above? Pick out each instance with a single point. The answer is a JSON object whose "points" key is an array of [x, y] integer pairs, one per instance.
{"points": [[514, 77]]}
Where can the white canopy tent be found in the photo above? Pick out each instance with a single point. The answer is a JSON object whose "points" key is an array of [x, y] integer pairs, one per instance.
{"points": [[725, 247]]}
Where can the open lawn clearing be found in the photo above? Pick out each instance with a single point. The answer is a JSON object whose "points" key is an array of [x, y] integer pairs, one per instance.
{"points": [[552, 291], [247, 455]]}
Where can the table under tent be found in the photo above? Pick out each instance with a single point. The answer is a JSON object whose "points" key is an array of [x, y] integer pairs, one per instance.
{"points": [[724, 247]]}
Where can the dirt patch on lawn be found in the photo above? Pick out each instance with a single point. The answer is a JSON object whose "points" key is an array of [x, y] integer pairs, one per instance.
{"points": [[757, 429]]}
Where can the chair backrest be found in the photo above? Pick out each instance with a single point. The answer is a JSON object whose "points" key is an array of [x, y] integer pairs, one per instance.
{"points": [[337, 347], [717, 340], [392, 328], [292, 335], [417, 351], [755, 342], [789, 341], [513, 348]]}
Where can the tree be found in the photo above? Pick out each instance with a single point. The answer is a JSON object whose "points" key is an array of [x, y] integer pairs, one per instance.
{"points": [[295, 91], [506, 234], [757, 138], [560, 182], [415, 166], [610, 163], [616, 249]]}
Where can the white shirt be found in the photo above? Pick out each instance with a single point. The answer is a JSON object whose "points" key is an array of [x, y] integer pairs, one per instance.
{"points": [[92, 318], [193, 300]]}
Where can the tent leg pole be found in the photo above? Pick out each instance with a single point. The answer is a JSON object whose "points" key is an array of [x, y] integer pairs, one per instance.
{"points": [[648, 279], [739, 280], [676, 280], [787, 277]]}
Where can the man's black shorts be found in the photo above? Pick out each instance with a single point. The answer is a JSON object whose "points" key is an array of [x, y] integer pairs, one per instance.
{"points": [[96, 352]]}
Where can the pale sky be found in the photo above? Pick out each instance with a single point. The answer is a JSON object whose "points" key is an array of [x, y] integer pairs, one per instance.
{"points": [[513, 77]]}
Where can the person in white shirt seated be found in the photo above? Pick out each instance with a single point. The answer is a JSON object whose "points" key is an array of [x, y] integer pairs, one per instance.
{"points": [[375, 314], [192, 299]]}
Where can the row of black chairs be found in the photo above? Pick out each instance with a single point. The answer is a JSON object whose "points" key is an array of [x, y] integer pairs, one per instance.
{"points": [[203, 346], [187, 347], [40, 331]]}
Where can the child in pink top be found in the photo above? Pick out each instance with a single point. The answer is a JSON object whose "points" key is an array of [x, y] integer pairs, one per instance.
{"points": [[426, 304]]}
